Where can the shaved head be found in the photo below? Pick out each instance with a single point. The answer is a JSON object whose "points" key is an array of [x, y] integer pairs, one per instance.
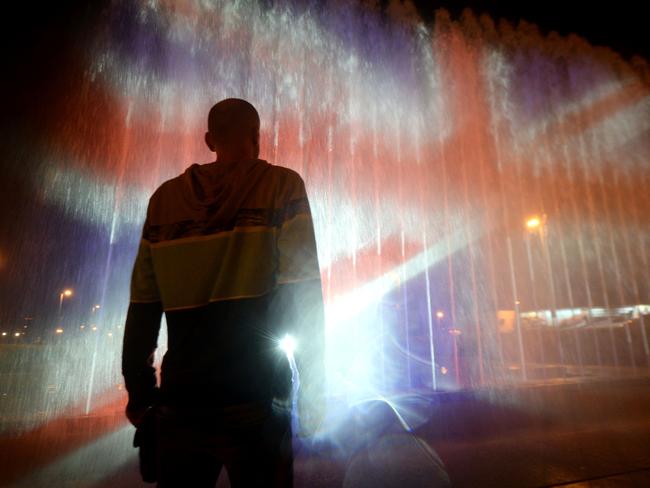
{"points": [[232, 121], [233, 130]]}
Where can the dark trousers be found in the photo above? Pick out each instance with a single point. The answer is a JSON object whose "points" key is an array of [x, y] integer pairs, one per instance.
{"points": [[253, 443]]}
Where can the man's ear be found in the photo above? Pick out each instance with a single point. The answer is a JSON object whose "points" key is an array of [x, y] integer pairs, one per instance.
{"points": [[209, 142]]}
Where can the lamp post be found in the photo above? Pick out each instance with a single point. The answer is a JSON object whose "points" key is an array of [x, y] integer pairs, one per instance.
{"points": [[537, 224], [532, 226], [93, 311], [67, 293]]}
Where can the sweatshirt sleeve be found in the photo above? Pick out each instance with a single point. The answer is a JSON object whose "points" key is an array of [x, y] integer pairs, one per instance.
{"points": [[299, 290], [141, 334]]}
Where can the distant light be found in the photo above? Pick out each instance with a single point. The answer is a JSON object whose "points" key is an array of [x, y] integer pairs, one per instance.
{"points": [[59, 330], [288, 345], [67, 292], [110, 334], [455, 332], [533, 222], [4, 334], [94, 327], [444, 370], [440, 314], [82, 327], [17, 334]]}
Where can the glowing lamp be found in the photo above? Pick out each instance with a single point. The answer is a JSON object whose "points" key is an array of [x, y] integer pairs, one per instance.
{"points": [[59, 330], [440, 314], [4, 334], [533, 223], [67, 292], [288, 345], [17, 334]]}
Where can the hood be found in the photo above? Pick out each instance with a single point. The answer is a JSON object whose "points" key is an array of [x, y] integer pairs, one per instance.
{"points": [[216, 191]]}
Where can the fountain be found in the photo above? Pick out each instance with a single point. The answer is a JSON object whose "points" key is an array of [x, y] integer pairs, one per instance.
{"points": [[424, 148]]}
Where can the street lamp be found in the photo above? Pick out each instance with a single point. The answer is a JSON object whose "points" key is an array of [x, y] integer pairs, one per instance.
{"points": [[538, 225], [67, 293], [439, 316], [533, 223]]}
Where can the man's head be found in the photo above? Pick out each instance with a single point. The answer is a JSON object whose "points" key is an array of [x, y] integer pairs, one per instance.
{"points": [[233, 130]]}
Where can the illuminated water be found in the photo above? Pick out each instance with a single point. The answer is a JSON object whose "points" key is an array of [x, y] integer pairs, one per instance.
{"points": [[424, 149]]}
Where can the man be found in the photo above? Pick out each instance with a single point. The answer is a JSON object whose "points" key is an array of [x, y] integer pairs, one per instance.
{"points": [[228, 253]]}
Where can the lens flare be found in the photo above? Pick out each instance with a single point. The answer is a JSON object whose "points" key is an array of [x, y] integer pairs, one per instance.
{"points": [[287, 345]]}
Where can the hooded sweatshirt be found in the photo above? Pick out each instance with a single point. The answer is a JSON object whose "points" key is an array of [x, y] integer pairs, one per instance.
{"points": [[228, 254]]}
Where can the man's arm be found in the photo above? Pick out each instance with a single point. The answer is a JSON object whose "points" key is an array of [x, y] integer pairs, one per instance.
{"points": [[140, 342], [141, 336], [301, 300]]}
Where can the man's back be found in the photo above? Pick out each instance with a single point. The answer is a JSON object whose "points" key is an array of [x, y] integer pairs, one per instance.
{"points": [[228, 253], [212, 239]]}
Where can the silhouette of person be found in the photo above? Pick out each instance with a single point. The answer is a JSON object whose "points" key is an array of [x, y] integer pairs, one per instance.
{"points": [[228, 254]]}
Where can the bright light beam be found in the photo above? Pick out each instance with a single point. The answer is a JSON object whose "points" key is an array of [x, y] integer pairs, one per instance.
{"points": [[353, 303], [288, 345]]}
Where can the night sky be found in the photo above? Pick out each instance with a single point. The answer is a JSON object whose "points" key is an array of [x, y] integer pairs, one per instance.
{"points": [[41, 44]]}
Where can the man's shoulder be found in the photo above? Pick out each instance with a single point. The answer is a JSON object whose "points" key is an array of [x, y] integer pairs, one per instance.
{"points": [[170, 185], [285, 172], [288, 178]]}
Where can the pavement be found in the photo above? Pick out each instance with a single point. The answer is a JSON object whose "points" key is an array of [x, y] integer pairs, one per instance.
{"points": [[578, 433]]}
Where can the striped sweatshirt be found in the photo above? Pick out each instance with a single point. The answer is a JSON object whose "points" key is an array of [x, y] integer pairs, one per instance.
{"points": [[228, 253]]}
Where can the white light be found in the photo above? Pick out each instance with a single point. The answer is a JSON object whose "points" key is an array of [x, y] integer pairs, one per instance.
{"points": [[288, 345]]}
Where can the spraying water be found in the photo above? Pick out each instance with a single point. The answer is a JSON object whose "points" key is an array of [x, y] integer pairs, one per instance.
{"points": [[425, 149]]}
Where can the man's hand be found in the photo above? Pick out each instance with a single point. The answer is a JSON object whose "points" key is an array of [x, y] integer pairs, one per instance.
{"points": [[136, 411], [136, 415]]}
